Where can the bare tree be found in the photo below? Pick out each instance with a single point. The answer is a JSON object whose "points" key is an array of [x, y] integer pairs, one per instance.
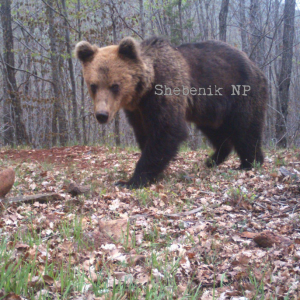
{"points": [[13, 112], [58, 121], [82, 100], [117, 116], [142, 18], [257, 37], [243, 26], [45, 73], [285, 72], [71, 71], [206, 31], [180, 19], [223, 20]]}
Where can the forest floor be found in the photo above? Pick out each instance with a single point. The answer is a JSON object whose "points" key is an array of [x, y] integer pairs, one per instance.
{"points": [[198, 233]]}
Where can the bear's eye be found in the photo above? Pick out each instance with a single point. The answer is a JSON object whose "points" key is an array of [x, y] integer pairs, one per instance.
{"points": [[93, 88], [115, 88]]}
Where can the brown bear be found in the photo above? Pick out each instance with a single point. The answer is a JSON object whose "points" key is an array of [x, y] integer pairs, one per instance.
{"points": [[161, 87]]}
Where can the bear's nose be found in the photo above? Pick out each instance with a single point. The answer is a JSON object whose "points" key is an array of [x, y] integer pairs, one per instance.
{"points": [[102, 116]]}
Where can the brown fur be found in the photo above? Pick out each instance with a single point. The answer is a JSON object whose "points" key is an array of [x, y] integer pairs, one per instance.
{"points": [[125, 76], [108, 67]]}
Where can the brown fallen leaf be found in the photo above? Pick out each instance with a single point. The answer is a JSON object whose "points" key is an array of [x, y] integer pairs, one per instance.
{"points": [[191, 255], [267, 239], [116, 229], [7, 180], [44, 294], [242, 259], [48, 280], [142, 278], [35, 282], [21, 246], [249, 235], [134, 260], [122, 276], [12, 296], [97, 238]]}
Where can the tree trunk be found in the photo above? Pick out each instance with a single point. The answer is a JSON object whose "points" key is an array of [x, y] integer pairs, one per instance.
{"points": [[142, 18], [82, 110], [165, 21], [256, 41], [151, 19], [243, 27], [117, 129], [117, 117], [206, 32], [180, 20], [274, 77], [58, 111], [30, 121], [13, 108], [202, 23], [223, 20], [285, 72], [71, 71], [8, 135]]}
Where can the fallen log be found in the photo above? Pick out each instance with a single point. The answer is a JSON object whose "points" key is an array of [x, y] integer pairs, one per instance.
{"points": [[75, 189]]}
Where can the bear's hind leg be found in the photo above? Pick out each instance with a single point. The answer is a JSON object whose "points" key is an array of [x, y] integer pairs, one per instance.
{"points": [[249, 155], [248, 147], [221, 144], [219, 155]]}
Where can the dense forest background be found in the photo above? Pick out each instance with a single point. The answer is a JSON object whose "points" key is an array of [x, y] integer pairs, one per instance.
{"points": [[43, 98]]}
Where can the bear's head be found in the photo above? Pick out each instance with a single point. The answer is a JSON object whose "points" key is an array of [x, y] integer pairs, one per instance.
{"points": [[116, 76]]}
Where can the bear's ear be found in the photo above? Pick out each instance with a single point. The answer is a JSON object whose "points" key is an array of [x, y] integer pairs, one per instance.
{"points": [[129, 48], [84, 51]]}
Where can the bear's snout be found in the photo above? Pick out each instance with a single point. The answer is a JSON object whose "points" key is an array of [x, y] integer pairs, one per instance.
{"points": [[102, 117]]}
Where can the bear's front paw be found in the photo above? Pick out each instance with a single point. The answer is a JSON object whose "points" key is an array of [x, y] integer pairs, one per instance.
{"points": [[121, 183], [131, 184], [210, 163], [127, 184]]}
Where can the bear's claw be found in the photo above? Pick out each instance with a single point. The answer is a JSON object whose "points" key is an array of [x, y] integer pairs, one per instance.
{"points": [[127, 184], [133, 184]]}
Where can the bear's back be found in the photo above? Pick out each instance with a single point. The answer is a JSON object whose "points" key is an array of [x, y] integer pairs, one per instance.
{"points": [[218, 63]]}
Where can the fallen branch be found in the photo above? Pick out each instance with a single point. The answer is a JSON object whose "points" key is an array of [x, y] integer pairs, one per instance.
{"points": [[33, 198], [287, 173], [186, 213]]}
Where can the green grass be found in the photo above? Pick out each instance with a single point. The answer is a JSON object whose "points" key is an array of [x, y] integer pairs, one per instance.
{"points": [[279, 161], [22, 276], [161, 265]]}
